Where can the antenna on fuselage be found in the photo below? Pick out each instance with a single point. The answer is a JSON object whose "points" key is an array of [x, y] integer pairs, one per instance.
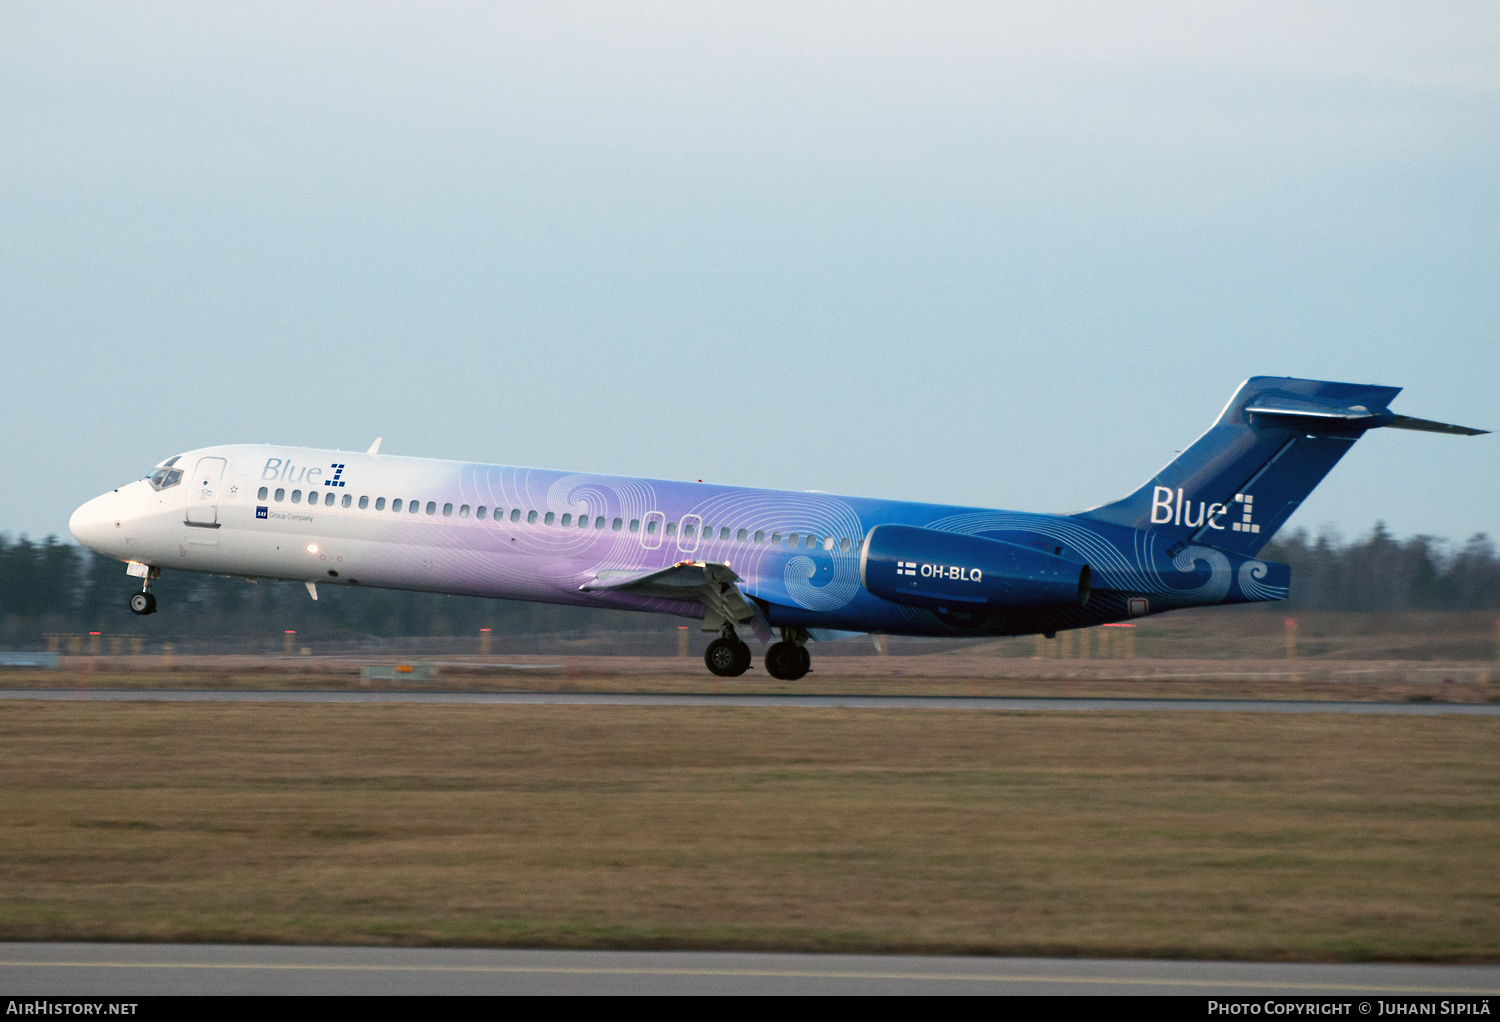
{"points": [[375, 447]]}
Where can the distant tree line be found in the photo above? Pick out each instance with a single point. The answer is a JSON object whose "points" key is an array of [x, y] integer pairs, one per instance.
{"points": [[50, 588], [57, 588], [1382, 573]]}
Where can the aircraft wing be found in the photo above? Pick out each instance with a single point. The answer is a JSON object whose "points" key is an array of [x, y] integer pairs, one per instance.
{"points": [[713, 585]]}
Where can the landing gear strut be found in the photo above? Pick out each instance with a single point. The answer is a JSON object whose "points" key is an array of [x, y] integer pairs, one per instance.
{"points": [[788, 659], [142, 602], [727, 656]]}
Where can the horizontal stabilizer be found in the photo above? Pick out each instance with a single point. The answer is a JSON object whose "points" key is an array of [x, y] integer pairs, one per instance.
{"points": [[1323, 413], [1428, 426]]}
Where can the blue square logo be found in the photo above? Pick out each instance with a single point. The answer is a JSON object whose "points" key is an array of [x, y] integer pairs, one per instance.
{"points": [[263, 512]]}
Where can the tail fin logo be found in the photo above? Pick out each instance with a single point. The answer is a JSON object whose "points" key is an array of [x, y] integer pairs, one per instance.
{"points": [[1247, 501], [1168, 508]]}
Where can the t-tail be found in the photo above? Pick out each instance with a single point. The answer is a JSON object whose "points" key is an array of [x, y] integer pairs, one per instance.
{"points": [[1275, 440]]}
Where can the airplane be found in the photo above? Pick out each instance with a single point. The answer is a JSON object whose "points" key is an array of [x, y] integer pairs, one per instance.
{"points": [[787, 565]]}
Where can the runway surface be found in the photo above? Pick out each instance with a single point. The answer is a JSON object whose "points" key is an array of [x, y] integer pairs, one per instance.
{"points": [[155, 969], [746, 699]]}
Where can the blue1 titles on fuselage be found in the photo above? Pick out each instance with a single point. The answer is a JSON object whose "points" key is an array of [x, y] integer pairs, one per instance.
{"points": [[786, 566]]}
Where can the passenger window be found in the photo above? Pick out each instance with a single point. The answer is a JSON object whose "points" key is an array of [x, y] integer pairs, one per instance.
{"points": [[413, 506], [583, 521], [463, 512], [515, 514], [262, 494], [651, 528], [828, 543], [567, 520], [530, 517], [810, 542], [687, 530], [348, 499], [447, 510], [396, 504], [364, 503], [635, 525], [280, 495], [741, 535], [296, 496], [599, 522], [724, 533], [617, 524], [760, 537], [327, 499], [432, 507], [671, 528], [776, 539], [844, 544], [791, 540], [548, 519], [479, 512]]}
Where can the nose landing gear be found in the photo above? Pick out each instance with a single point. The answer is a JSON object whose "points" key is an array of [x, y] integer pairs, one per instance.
{"points": [[727, 656], [142, 602]]}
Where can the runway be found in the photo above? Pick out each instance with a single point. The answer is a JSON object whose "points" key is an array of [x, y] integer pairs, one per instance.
{"points": [[123, 970], [875, 702]]}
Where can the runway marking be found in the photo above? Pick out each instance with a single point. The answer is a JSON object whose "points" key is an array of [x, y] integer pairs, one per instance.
{"points": [[756, 973], [1004, 704]]}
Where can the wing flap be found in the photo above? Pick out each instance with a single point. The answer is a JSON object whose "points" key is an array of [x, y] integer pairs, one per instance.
{"points": [[713, 585]]}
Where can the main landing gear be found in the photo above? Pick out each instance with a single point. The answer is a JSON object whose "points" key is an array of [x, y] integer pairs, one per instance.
{"points": [[727, 656], [788, 659]]}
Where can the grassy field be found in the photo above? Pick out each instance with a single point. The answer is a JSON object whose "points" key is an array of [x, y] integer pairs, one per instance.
{"points": [[1237, 836]]}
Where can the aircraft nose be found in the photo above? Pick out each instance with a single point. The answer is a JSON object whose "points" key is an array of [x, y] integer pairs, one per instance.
{"points": [[87, 522]]}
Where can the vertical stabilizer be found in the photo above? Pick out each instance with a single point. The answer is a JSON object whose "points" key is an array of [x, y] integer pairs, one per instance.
{"points": [[1275, 440]]}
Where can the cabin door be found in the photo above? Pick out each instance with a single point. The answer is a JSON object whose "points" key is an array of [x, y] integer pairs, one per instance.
{"points": [[203, 492]]}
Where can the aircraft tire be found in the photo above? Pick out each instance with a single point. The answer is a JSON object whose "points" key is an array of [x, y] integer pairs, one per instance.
{"points": [[787, 661], [142, 603], [724, 657]]}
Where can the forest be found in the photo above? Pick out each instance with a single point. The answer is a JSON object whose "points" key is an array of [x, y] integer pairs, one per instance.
{"points": [[50, 587]]}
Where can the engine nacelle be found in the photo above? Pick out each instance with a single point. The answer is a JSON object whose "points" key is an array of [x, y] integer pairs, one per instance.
{"points": [[926, 568]]}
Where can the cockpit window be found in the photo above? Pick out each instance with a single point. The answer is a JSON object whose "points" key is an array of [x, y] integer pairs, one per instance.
{"points": [[165, 477]]}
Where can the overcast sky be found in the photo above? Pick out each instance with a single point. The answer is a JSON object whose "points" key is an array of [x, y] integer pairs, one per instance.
{"points": [[1005, 255]]}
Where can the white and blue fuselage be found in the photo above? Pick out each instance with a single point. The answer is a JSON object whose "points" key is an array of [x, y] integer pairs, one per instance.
{"points": [[751, 557]]}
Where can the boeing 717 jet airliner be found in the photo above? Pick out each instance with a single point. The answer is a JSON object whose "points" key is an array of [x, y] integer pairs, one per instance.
{"points": [[762, 560]]}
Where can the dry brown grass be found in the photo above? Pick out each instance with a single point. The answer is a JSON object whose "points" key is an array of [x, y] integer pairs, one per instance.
{"points": [[1261, 836]]}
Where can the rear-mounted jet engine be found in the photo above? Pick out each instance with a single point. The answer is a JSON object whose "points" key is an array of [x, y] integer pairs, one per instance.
{"points": [[926, 568]]}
